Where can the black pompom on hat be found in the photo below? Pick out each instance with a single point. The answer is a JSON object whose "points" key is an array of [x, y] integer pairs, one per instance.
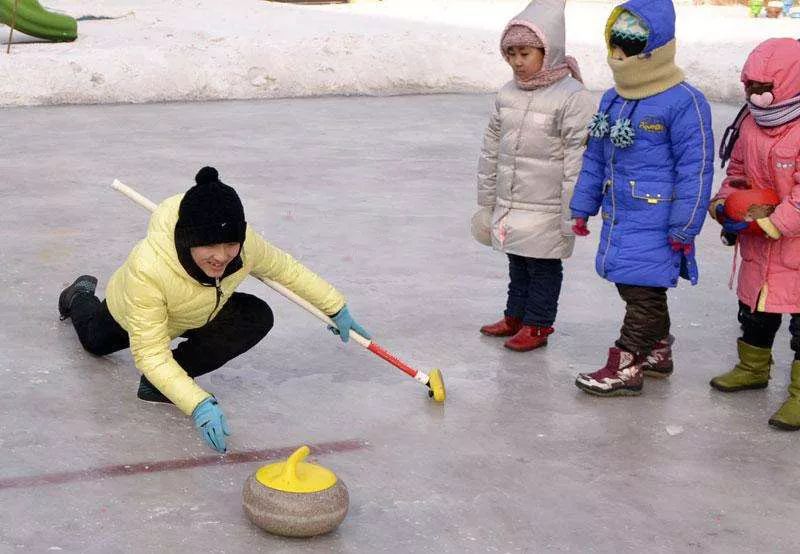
{"points": [[210, 213]]}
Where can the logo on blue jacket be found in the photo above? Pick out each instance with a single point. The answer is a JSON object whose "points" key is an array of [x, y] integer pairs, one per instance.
{"points": [[652, 125]]}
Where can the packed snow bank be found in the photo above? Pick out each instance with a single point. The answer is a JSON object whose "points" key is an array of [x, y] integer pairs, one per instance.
{"points": [[204, 50]]}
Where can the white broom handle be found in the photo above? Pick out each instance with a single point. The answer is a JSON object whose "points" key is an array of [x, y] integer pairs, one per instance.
{"points": [[145, 203], [302, 302]]}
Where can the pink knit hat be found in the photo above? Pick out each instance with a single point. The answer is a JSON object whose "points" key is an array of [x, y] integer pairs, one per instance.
{"points": [[520, 35]]}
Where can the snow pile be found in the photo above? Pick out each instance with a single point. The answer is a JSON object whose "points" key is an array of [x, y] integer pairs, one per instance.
{"points": [[204, 50]]}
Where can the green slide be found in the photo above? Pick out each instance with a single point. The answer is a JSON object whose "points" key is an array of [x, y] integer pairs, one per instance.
{"points": [[32, 19]]}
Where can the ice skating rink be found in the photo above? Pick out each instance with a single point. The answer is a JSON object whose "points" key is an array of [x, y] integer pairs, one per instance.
{"points": [[375, 194]]}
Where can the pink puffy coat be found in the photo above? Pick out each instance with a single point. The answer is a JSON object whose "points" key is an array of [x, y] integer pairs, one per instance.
{"points": [[769, 278]]}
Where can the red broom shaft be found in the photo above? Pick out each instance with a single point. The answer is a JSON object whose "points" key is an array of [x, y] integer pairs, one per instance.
{"points": [[375, 349]]}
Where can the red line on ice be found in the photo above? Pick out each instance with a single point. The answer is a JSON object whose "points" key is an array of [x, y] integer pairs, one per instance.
{"points": [[121, 470]]}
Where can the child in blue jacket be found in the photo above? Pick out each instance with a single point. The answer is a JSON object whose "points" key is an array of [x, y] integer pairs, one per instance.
{"points": [[648, 168]]}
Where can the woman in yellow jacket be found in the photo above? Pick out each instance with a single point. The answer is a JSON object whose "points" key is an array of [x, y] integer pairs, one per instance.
{"points": [[180, 281]]}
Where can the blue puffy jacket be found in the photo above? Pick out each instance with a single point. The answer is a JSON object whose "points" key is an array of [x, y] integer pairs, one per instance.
{"points": [[658, 187]]}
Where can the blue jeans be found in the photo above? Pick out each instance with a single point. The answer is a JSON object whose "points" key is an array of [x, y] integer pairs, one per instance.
{"points": [[533, 289]]}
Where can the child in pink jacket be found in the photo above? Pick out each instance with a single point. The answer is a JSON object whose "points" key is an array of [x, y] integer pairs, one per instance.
{"points": [[767, 156]]}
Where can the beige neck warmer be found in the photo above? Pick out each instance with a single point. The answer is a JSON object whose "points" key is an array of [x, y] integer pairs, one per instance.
{"points": [[646, 75]]}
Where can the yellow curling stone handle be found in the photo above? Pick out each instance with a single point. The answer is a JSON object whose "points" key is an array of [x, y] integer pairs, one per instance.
{"points": [[295, 475]]}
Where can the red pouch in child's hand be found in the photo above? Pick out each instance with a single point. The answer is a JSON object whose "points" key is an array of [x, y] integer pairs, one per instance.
{"points": [[750, 205]]}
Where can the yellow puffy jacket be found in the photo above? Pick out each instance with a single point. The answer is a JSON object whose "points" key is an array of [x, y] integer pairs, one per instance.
{"points": [[155, 300]]}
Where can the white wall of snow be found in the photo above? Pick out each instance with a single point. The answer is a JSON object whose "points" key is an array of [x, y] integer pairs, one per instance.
{"points": [[203, 50]]}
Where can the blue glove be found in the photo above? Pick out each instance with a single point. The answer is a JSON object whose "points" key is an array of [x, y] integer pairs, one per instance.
{"points": [[728, 225], [345, 322], [210, 421]]}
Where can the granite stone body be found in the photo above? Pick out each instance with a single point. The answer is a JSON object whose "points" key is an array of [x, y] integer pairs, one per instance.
{"points": [[292, 514]]}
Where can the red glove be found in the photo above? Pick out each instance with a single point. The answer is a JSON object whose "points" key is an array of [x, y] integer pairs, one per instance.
{"points": [[685, 247], [579, 227]]}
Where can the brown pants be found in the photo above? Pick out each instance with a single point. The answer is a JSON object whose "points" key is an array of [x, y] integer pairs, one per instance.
{"points": [[646, 318]]}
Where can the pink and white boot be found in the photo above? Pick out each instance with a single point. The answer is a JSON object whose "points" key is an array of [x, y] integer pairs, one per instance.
{"points": [[658, 363], [621, 376]]}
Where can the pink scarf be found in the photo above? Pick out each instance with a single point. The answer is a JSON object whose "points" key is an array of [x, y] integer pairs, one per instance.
{"points": [[523, 33], [547, 77]]}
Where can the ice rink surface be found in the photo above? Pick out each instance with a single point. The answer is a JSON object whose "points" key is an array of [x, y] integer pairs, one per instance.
{"points": [[375, 194]]}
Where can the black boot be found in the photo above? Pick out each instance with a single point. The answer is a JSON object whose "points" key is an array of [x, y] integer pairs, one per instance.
{"points": [[149, 393], [85, 284]]}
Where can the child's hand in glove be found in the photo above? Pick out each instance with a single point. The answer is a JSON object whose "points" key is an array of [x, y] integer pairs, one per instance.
{"points": [[769, 228], [344, 323], [579, 227], [678, 246], [210, 421]]}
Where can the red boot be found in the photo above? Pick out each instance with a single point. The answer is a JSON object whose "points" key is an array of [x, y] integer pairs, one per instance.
{"points": [[528, 338], [659, 362], [503, 328], [621, 376]]}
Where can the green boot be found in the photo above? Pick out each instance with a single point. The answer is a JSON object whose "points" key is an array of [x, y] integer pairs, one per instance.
{"points": [[788, 416], [752, 371]]}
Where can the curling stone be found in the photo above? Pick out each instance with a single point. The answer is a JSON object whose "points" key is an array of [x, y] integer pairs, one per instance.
{"points": [[293, 498]]}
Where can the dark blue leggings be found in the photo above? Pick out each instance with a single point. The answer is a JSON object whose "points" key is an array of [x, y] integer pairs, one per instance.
{"points": [[533, 289]]}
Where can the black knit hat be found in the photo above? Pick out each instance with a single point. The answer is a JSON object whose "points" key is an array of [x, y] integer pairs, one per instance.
{"points": [[210, 213], [631, 46]]}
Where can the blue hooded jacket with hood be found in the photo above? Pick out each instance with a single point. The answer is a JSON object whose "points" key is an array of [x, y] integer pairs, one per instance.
{"points": [[658, 188]]}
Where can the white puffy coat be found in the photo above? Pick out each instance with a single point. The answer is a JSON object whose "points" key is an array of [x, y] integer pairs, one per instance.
{"points": [[532, 153]]}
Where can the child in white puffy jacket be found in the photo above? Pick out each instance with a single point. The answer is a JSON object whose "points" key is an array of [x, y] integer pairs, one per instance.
{"points": [[529, 163]]}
